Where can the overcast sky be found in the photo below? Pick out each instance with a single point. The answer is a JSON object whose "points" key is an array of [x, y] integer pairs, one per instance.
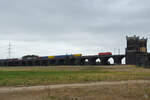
{"points": [[53, 27]]}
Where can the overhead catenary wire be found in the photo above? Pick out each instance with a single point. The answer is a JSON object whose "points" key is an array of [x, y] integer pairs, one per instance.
{"points": [[9, 50]]}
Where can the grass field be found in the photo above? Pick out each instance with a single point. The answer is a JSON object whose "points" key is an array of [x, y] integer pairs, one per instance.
{"points": [[29, 76]]}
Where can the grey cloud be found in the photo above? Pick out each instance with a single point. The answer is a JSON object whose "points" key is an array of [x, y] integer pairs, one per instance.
{"points": [[82, 24]]}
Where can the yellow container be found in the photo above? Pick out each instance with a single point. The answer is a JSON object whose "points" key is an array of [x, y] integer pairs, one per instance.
{"points": [[77, 55], [51, 57]]}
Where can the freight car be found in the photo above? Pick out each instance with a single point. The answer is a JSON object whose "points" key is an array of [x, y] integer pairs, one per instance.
{"points": [[104, 53], [27, 57]]}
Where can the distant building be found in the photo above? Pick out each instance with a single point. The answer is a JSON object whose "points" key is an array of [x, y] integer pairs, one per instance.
{"points": [[136, 51]]}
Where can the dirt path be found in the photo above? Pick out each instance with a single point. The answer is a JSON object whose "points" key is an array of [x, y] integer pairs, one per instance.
{"points": [[34, 88]]}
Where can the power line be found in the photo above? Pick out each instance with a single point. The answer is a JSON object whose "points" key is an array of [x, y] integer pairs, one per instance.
{"points": [[9, 50], [118, 51], [114, 51]]}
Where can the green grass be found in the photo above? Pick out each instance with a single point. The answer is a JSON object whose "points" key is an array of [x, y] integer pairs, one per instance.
{"points": [[29, 76]]}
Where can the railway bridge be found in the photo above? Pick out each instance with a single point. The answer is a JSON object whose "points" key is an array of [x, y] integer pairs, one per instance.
{"points": [[136, 54], [83, 60]]}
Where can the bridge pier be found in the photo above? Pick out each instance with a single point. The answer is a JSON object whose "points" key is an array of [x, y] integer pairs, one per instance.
{"points": [[60, 62], [37, 62], [92, 61], [52, 62], [71, 61], [104, 61], [118, 59], [29, 63], [81, 61], [45, 62], [78, 61]]}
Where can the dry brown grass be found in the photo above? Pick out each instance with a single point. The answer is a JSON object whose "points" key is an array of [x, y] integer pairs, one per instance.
{"points": [[102, 92]]}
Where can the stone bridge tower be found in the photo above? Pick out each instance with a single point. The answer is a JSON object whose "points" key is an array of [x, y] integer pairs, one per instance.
{"points": [[136, 51]]}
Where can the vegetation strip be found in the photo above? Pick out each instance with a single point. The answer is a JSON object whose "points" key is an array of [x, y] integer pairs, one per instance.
{"points": [[38, 76], [31, 88]]}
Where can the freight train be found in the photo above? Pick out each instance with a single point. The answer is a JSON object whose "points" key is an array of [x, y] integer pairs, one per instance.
{"points": [[72, 59], [62, 56]]}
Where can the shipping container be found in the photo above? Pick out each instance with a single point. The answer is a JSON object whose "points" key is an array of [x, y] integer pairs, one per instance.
{"points": [[77, 55], [63, 56], [60, 56], [105, 53], [44, 57], [70, 55], [51, 57]]}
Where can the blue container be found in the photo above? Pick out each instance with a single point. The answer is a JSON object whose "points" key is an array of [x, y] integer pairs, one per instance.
{"points": [[61, 56], [44, 57], [70, 55]]}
